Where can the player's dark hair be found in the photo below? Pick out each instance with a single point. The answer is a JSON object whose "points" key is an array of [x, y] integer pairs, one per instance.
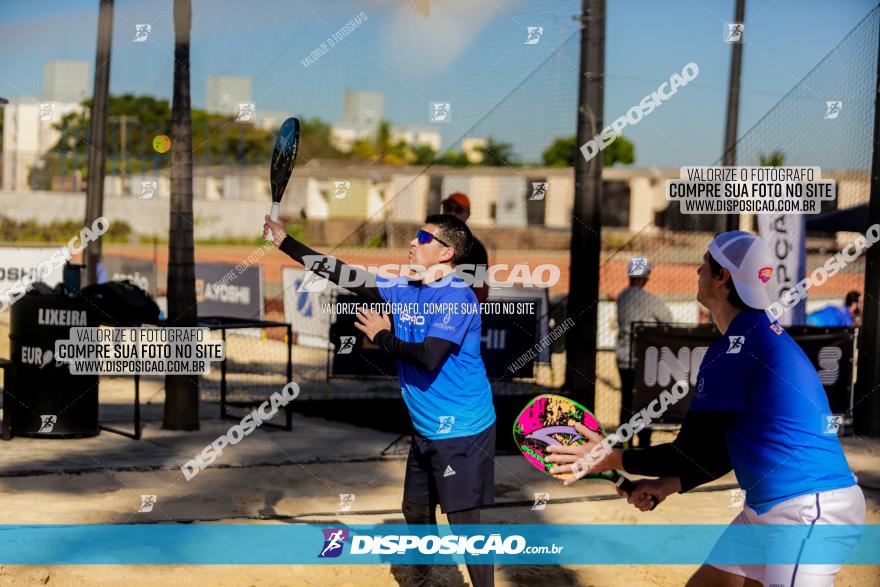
{"points": [[852, 298], [732, 294], [453, 231]]}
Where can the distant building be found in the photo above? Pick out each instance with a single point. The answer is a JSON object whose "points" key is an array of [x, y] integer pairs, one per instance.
{"points": [[226, 92], [362, 108], [361, 114], [417, 135], [65, 81], [28, 133]]}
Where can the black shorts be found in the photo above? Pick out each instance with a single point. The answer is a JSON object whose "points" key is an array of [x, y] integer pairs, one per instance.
{"points": [[458, 473]]}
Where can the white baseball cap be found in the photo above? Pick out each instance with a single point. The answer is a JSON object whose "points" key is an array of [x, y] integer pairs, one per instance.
{"points": [[750, 264]]}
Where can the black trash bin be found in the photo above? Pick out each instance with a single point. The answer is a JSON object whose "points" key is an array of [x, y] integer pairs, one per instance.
{"points": [[42, 398]]}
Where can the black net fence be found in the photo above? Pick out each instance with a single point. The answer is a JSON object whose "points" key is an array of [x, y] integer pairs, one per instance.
{"points": [[498, 127]]}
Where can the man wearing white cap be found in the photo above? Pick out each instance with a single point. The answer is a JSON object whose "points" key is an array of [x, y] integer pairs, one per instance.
{"points": [[759, 408], [634, 304]]}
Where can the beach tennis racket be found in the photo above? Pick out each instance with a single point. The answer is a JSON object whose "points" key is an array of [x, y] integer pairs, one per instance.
{"points": [[544, 423], [281, 167]]}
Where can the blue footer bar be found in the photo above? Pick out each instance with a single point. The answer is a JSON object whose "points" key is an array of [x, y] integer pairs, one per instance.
{"points": [[400, 544]]}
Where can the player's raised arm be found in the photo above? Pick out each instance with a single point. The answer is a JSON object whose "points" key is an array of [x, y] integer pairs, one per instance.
{"points": [[323, 265]]}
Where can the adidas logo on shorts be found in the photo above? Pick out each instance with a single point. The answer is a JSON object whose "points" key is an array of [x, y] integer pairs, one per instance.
{"points": [[449, 472]]}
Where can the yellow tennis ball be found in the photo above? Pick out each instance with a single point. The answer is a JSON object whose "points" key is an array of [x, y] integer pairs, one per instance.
{"points": [[161, 144]]}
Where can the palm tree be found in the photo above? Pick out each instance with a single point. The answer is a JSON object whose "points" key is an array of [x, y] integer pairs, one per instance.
{"points": [[774, 159], [181, 391]]}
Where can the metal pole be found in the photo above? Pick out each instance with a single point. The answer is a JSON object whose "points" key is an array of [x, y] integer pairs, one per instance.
{"points": [[100, 100], [725, 222], [123, 120], [866, 408], [586, 226]]}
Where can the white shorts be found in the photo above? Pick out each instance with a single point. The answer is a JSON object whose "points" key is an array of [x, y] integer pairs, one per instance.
{"points": [[838, 506]]}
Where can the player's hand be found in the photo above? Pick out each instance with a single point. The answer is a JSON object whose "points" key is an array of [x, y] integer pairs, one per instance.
{"points": [[372, 323], [581, 459], [275, 229], [646, 489]]}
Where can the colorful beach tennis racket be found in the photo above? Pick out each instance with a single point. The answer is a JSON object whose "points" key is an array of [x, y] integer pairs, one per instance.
{"points": [[544, 423]]}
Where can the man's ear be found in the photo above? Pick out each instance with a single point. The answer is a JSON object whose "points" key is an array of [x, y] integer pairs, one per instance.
{"points": [[724, 276], [447, 255]]}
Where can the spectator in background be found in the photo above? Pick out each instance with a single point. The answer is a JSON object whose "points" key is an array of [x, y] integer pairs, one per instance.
{"points": [[634, 304], [849, 314], [459, 205]]}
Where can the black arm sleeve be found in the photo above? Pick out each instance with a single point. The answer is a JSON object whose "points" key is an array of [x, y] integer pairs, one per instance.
{"points": [[698, 455], [331, 268], [427, 355]]}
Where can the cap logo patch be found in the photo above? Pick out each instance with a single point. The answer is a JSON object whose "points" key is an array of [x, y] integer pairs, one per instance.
{"points": [[764, 274]]}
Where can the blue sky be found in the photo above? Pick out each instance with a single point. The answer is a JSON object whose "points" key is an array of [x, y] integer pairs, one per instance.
{"points": [[472, 54]]}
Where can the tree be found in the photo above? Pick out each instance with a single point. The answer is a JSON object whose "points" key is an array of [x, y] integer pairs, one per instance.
{"points": [[364, 149], [314, 139], [453, 159], [181, 391], [217, 139], [383, 139], [620, 151], [423, 154], [562, 151], [774, 159], [496, 154]]}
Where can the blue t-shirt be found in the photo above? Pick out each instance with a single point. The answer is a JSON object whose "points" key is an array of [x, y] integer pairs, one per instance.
{"points": [[782, 441], [830, 316], [455, 399]]}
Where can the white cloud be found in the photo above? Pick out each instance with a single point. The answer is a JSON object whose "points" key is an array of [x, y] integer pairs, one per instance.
{"points": [[415, 45]]}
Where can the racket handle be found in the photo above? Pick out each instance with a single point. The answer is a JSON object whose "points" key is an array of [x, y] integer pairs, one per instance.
{"points": [[273, 214], [628, 486]]}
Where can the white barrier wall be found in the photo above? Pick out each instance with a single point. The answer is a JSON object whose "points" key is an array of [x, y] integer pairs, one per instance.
{"points": [[213, 219]]}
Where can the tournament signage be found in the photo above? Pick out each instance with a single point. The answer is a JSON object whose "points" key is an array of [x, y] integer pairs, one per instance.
{"points": [[667, 353], [139, 272], [509, 333], [511, 329], [20, 264], [538, 295], [228, 290], [306, 305], [785, 236]]}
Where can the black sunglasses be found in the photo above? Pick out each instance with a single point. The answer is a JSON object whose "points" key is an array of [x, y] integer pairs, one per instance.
{"points": [[425, 237]]}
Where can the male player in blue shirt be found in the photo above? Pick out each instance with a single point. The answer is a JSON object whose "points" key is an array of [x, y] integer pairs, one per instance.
{"points": [[845, 315], [759, 408], [436, 339]]}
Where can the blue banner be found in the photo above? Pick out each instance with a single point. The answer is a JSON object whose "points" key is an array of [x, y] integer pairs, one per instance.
{"points": [[283, 544]]}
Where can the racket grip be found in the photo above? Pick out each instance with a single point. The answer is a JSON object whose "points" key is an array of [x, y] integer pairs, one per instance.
{"points": [[628, 486], [273, 214]]}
